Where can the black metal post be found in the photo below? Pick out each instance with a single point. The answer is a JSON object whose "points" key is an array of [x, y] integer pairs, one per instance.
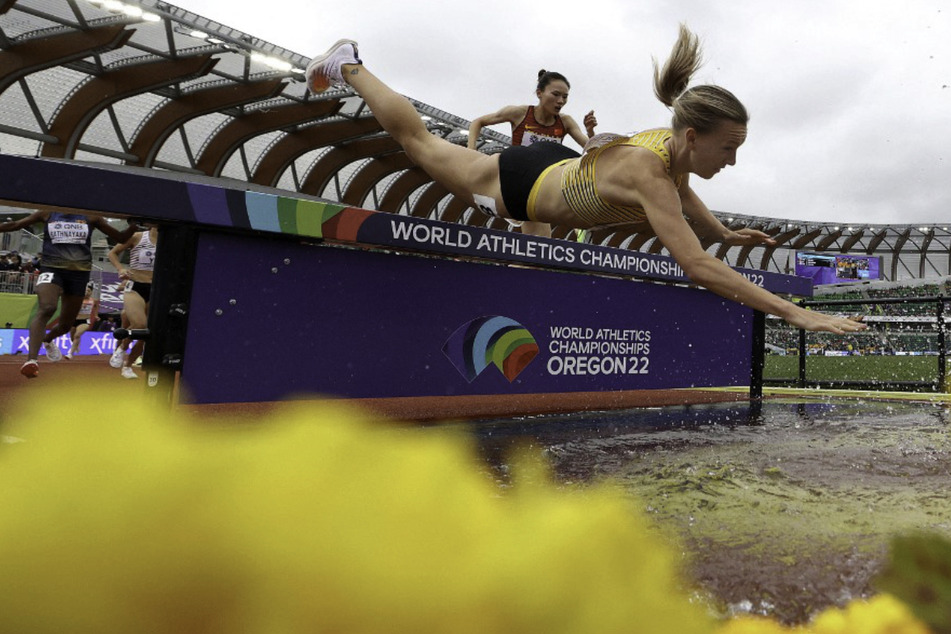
{"points": [[802, 358], [164, 353], [758, 358], [943, 384]]}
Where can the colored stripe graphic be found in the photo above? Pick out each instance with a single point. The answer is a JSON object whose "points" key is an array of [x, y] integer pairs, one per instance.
{"points": [[493, 339], [264, 212], [209, 204]]}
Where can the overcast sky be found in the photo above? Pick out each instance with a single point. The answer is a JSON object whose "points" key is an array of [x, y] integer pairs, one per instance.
{"points": [[850, 101]]}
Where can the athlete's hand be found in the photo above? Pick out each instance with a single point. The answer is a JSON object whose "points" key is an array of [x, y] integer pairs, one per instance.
{"points": [[745, 237], [590, 123], [812, 320]]}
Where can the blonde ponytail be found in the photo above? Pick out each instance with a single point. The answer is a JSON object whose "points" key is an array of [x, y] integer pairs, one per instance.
{"points": [[685, 58], [701, 107]]}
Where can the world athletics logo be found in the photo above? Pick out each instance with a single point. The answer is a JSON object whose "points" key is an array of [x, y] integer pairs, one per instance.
{"points": [[491, 339]]}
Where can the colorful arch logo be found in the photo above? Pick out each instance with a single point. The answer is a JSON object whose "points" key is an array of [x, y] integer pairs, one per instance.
{"points": [[492, 339]]}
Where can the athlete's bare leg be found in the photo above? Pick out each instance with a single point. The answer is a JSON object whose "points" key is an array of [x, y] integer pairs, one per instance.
{"points": [[462, 171]]}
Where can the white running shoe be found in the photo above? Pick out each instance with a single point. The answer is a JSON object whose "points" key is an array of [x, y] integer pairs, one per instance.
{"points": [[128, 373], [324, 70], [118, 356], [53, 353], [30, 369]]}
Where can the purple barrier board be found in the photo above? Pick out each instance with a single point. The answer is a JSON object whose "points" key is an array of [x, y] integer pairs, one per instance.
{"points": [[216, 204], [275, 318]]}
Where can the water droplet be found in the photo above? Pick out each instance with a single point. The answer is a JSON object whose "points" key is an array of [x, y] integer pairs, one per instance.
{"points": [[219, 312], [287, 261], [232, 301], [274, 269]]}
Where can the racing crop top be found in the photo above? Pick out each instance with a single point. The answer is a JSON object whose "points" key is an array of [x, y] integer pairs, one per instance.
{"points": [[530, 131], [581, 193], [142, 255]]}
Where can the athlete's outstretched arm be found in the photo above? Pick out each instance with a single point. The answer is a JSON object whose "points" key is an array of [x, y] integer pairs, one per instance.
{"points": [[661, 202], [507, 114], [24, 222], [706, 225]]}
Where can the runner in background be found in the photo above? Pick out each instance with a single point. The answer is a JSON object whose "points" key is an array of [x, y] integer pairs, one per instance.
{"points": [[542, 122], [138, 286], [117, 360], [65, 268], [85, 319]]}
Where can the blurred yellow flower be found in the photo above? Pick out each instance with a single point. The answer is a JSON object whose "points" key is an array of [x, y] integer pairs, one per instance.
{"points": [[882, 614], [136, 520]]}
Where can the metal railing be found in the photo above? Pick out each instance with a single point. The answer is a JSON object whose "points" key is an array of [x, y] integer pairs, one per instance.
{"points": [[17, 282], [933, 322]]}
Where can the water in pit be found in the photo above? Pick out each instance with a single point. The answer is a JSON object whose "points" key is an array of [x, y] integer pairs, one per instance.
{"points": [[783, 509]]}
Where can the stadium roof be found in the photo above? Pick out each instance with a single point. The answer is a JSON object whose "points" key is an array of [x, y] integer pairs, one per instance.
{"points": [[149, 84]]}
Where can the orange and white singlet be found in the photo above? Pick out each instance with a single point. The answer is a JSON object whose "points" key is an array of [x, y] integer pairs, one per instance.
{"points": [[530, 131]]}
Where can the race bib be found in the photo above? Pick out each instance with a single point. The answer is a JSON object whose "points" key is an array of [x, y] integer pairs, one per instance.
{"points": [[45, 278], [147, 258], [533, 137], [62, 232], [486, 205]]}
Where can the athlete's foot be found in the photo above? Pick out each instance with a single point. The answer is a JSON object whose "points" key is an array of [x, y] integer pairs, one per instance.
{"points": [[324, 71], [128, 373], [117, 358], [53, 353], [30, 369]]}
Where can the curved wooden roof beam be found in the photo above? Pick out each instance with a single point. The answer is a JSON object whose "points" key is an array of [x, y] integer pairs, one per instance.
{"points": [[227, 139], [371, 174], [829, 240], [852, 240], [427, 203], [279, 156], [806, 238], [872, 245], [403, 187], [95, 95], [656, 247], [641, 236], [174, 113], [336, 159], [31, 56], [614, 237], [476, 219], [744, 255], [598, 236], [456, 207], [785, 236], [722, 252]]}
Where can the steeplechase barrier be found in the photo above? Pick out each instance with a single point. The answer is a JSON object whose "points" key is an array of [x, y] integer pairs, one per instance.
{"points": [[262, 295]]}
